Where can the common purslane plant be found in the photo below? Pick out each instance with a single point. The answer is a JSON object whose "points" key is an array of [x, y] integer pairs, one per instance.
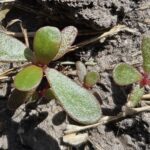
{"points": [[125, 74], [49, 44]]}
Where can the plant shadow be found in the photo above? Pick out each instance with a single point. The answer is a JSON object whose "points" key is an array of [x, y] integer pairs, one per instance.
{"points": [[25, 135], [137, 130], [119, 95], [59, 118]]}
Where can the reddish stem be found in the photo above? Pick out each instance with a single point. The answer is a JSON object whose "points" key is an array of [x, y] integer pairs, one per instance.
{"points": [[42, 92], [145, 80]]}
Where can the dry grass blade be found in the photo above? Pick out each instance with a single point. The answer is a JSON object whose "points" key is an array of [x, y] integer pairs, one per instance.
{"points": [[102, 38], [146, 97], [18, 34], [31, 34], [115, 30], [106, 120], [6, 1], [7, 72], [88, 63], [10, 23], [24, 31], [3, 77]]}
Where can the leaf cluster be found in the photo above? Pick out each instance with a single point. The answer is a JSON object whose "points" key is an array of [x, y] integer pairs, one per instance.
{"points": [[125, 74], [49, 44]]}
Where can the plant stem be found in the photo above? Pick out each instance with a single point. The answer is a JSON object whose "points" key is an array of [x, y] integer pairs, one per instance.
{"points": [[4, 74], [18, 34], [146, 97], [24, 31], [101, 38], [31, 34], [6, 1], [107, 119], [88, 63], [3, 77]]}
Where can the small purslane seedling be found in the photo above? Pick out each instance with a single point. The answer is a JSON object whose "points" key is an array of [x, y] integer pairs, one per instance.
{"points": [[50, 44], [91, 79], [87, 78], [125, 74]]}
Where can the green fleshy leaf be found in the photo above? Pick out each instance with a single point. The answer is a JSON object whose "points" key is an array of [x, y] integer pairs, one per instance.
{"points": [[91, 79], [17, 98], [124, 74], [68, 37], [135, 97], [11, 49], [146, 53], [79, 103], [28, 78], [46, 44]]}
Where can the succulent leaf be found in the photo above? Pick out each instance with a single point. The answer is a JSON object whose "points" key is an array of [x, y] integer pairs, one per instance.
{"points": [[68, 37], [146, 53], [46, 44], [124, 74], [79, 103], [11, 49], [28, 78], [91, 79], [135, 97]]}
